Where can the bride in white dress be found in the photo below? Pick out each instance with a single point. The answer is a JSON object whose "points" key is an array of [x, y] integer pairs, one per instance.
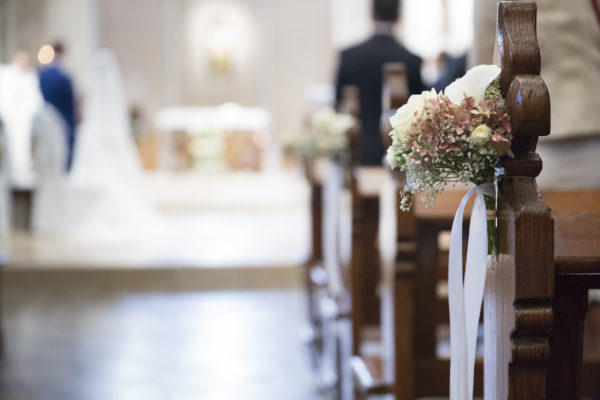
{"points": [[106, 162], [103, 199]]}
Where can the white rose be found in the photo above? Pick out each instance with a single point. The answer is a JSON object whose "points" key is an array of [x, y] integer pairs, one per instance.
{"points": [[474, 83], [405, 115]]}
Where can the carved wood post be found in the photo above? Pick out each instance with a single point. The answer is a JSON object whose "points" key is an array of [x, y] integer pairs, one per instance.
{"points": [[518, 298], [351, 105]]}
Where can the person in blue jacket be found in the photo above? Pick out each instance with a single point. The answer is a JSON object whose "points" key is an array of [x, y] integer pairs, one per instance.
{"points": [[57, 90]]}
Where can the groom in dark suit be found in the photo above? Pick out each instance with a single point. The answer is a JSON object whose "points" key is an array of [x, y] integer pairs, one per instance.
{"points": [[362, 65], [57, 90]]}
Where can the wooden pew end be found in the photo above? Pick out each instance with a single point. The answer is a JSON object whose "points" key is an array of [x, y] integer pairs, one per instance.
{"points": [[368, 379]]}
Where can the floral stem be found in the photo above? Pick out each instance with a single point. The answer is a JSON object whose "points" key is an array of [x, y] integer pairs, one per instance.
{"points": [[490, 205]]}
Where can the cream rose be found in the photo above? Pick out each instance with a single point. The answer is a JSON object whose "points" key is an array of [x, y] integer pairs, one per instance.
{"points": [[481, 135], [405, 115]]}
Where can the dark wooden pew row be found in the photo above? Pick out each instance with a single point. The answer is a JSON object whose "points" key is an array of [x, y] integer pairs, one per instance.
{"points": [[363, 271], [359, 260], [536, 298], [315, 278], [372, 373], [324, 272], [350, 207], [325, 269], [337, 215], [416, 371]]}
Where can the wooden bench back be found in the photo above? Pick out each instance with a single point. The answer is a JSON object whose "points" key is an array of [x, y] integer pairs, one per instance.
{"points": [[356, 275], [518, 297], [393, 222], [394, 95]]}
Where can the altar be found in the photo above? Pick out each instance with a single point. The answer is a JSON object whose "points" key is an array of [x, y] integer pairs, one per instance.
{"points": [[225, 137]]}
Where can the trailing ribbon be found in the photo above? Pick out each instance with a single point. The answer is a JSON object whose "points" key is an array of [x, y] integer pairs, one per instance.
{"points": [[465, 299]]}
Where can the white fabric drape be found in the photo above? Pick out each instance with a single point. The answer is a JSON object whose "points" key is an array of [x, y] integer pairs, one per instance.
{"points": [[20, 99], [465, 299]]}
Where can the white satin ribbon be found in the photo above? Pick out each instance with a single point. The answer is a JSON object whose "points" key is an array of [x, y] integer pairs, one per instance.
{"points": [[465, 299]]}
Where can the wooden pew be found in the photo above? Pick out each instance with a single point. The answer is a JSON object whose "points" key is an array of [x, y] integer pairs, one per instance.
{"points": [[353, 269], [430, 222], [334, 306], [315, 278], [373, 374], [536, 297], [363, 271], [325, 274]]}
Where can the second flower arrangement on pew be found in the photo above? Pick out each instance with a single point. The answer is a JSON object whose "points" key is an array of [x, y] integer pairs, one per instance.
{"points": [[326, 134], [458, 136]]}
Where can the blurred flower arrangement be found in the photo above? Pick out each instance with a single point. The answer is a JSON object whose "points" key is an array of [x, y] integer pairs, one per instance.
{"points": [[325, 135], [455, 136]]}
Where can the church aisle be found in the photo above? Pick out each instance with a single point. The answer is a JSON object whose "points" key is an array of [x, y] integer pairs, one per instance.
{"points": [[88, 341], [200, 220]]}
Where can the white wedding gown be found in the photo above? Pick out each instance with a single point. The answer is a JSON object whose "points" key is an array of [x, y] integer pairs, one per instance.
{"points": [[49, 151], [103, 199]]}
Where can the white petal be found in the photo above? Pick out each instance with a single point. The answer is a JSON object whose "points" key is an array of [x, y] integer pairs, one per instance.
{"points": [[474, 83]]}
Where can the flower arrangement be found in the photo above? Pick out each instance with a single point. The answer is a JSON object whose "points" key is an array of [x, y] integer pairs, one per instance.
{"points": [[291, 144], [457, 136], [326, 133]]}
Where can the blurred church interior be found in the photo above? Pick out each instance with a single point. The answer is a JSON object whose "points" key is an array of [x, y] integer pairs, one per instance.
{"points": [[156, 215]]}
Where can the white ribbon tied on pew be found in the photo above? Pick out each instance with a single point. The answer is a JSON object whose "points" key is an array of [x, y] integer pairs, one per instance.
{"points": [[465, 299]]}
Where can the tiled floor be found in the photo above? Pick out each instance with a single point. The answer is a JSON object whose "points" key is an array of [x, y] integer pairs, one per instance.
{"points": [[92, 342]]}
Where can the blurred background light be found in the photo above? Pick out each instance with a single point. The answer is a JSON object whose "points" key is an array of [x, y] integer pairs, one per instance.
{"points": [[46, 54]]}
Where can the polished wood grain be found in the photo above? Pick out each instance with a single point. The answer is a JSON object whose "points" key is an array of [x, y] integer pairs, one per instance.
{"points": [[577, 242], [446, 204], [372, 381], [394, 94], [536, 296], [572, 200], [520, 308], [404, 368], [566, 343], [577, 269], [519, 289]]}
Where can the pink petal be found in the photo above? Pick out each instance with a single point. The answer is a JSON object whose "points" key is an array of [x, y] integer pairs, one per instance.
{"points": [[499, 138]]}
